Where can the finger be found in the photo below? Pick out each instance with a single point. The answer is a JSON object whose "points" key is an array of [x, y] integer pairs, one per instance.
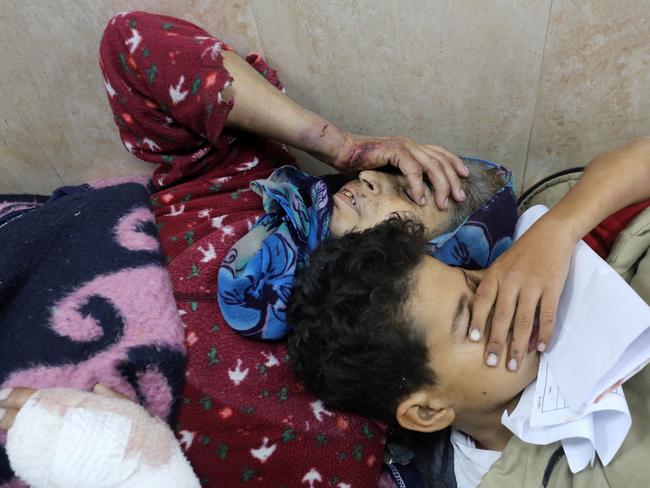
{"points": [[105, 391], [456, 162], [454, 181], [547, 315], [15, 397], [484, 299], [8, 417], [427, 160], [413, 172], [439, 183], [523, 325], [475, 275], [504, 310]]}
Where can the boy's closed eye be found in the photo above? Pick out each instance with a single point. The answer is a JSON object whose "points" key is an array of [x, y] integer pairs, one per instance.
{"points": [[464, 306]]}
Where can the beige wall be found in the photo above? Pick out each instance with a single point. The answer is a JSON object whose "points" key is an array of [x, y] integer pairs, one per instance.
{"points": [[536, 84]]}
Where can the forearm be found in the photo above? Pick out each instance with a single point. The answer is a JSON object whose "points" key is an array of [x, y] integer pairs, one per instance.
{"points": [[611, 181], [261, 108]]}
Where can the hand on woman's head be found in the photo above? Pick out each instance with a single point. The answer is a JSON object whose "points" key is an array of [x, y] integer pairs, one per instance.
{"points": [[415, 161], [376, 195]]}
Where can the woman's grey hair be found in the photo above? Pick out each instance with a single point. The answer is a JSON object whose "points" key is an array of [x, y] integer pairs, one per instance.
{"points": [[480, 186]]}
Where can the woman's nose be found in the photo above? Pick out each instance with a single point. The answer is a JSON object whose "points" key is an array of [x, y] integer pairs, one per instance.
{"points": [[371, 180]]}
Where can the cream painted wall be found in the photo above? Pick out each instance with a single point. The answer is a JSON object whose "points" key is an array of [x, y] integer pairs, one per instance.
{"points": [[538, 85]]}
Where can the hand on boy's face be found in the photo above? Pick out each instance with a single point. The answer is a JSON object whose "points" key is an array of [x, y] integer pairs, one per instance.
{"points": [[524, 282], [441, 302], [370, 199]]}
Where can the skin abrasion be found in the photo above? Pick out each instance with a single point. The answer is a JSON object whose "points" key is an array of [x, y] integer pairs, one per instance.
{"points": [[322, 141], [359, 152]]}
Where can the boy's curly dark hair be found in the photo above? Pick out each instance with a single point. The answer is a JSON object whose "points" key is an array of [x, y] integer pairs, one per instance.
{"points": [[351, 341]]}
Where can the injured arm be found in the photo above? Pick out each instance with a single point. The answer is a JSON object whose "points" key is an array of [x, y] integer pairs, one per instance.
{"points": [[263, 109], [64, 437]]}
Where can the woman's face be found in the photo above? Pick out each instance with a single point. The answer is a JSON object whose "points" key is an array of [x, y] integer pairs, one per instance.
{"points": [[370, 199]]}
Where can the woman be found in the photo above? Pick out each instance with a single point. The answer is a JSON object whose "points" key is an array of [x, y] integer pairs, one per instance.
{"points": [[182, 99]]}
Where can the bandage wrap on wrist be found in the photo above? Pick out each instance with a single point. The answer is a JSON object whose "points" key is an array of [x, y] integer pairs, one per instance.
{"points": [[67, 438]]}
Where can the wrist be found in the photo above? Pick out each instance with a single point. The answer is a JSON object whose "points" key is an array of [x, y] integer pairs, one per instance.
{"points": [[565, 223], [324, 141]]}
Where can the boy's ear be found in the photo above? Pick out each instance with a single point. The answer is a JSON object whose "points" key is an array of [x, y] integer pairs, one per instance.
{"points": [[423, 412]]}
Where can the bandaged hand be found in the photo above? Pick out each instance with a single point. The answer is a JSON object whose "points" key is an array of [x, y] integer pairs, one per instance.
{"points": [[70, 438], [414, 160]]}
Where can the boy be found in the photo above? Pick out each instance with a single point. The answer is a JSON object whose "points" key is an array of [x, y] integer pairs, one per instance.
{"points": [[381, 329]]}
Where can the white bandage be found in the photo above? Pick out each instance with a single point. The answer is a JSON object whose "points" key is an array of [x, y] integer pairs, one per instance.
{"points": [[71, 439]]}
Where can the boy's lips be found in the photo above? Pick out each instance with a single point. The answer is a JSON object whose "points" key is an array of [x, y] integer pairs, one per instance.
{"points": [[534, 336]]}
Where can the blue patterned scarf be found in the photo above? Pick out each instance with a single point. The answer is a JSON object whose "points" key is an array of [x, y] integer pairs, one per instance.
{"points": [[256, 276]]}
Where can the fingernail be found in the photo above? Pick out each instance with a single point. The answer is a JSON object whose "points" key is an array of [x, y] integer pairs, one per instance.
{"points": [[492, 359], [541, 347], [444, 204], [423, 200], [475, 335], [2, 413], [512, 364], [466, 170], [4, 393], [461, 194]]}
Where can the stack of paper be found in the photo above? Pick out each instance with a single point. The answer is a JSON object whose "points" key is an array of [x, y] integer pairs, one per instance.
{"points": [[602, 337]]}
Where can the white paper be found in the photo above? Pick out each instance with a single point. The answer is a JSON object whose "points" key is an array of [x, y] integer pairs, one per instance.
{"points": [[602, 337], [550, 406], [542, 416]]}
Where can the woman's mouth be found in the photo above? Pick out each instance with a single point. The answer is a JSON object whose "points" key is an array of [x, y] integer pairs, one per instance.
{"points": [[349, 194], [350, 200]]}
